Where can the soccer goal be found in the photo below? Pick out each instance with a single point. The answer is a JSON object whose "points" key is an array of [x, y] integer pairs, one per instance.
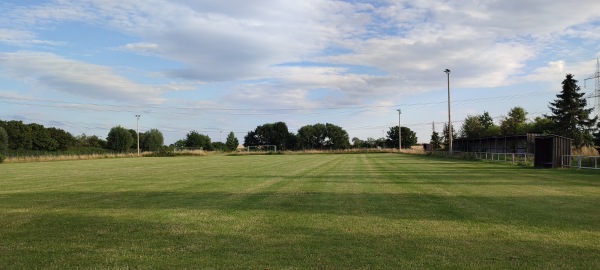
{"points": [[262, 148]]}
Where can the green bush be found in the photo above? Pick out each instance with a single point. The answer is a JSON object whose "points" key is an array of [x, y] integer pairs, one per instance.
{"points": [[164, 151], [2, 158]]}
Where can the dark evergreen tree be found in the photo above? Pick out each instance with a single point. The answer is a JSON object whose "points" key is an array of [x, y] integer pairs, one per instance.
{"points": [[597, 137], [232, 142], [436, 141], [570, 116]]}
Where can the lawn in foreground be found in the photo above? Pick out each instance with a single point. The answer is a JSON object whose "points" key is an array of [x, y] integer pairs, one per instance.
{"points": [[297, 211]]}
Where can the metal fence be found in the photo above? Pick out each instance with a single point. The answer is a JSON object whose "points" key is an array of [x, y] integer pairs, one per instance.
{"points": [[581, 162], [501, 157], [505, 157]]}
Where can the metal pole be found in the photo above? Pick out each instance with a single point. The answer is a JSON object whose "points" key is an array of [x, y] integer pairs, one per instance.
{"points": [[449, 114], [138, 133], [399, 131]]}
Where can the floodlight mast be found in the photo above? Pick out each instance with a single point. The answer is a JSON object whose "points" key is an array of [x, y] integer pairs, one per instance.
{"points": [[138, 133], [449, 115]]}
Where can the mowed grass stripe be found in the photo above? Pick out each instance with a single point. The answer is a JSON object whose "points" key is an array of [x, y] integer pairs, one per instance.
{"points": [[297, 211]]}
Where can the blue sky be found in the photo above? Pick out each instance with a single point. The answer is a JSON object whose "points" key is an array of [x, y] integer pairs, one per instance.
{"points": [[220, 66]]}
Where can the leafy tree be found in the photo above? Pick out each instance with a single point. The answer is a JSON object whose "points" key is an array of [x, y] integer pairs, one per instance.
{"points": [[270, 134], [232, 142], [436, 141], [3, 140], [357, 143], [571, 118], [19, 135], [219, 146], [540, 125], [312, 136], [41, 139], [179, 143], [476, 126], [486, 121], [63, 139], [323, 136], [93, 141], [119, 139], [337, 137], [409, 138], [152, 140], [515, 123], [251, 139], [372, 143], [472, 127], [197, 140], [134, 135]]}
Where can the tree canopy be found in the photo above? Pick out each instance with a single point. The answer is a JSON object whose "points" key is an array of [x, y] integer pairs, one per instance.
{"points": [[119, 139], [197, 140], [476, 126], [515, 122], [323, 136], [270, 134], [152, 140], [409, 137], [3, 140]]}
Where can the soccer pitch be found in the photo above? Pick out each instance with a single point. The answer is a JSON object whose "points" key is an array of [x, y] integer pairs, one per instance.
{"points": [[337, 211]]}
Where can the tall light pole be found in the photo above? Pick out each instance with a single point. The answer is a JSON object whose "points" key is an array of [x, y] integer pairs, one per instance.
{"points": [[138, 133], [399, 131], [449, 115]]}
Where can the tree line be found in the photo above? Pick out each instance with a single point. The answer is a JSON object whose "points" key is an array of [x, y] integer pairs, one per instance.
{"points": [[18, 136], [321, 137], [569, 118]]}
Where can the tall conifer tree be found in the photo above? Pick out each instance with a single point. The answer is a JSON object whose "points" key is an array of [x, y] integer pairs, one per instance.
{"points": [[569, 114]]}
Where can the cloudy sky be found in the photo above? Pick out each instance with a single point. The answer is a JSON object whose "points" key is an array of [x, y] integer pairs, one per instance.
{"points": [[230, 65]]}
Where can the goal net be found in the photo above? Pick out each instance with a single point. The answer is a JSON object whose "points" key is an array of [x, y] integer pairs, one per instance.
{"points": [[262, 148]]}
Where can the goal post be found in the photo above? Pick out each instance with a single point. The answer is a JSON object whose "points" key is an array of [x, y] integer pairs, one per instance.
{"points": [[262, 148]]}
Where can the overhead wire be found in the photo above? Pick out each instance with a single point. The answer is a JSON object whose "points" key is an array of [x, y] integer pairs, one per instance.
{"points": [[115, 108]]}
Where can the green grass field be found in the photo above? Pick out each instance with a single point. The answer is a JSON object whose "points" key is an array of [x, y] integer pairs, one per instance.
{"points": [[352, 211]]}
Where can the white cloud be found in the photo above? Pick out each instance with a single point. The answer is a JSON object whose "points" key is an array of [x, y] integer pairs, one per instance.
{"points": [[141, 47], [73, 77], [484, 43], [23, 38]]}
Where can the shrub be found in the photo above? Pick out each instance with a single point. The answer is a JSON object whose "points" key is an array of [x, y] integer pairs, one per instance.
{"points": [[2, 158], [164, 151]]}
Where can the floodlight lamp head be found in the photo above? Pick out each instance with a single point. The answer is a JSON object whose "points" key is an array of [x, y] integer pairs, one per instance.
{"points": [[447, 71]]}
